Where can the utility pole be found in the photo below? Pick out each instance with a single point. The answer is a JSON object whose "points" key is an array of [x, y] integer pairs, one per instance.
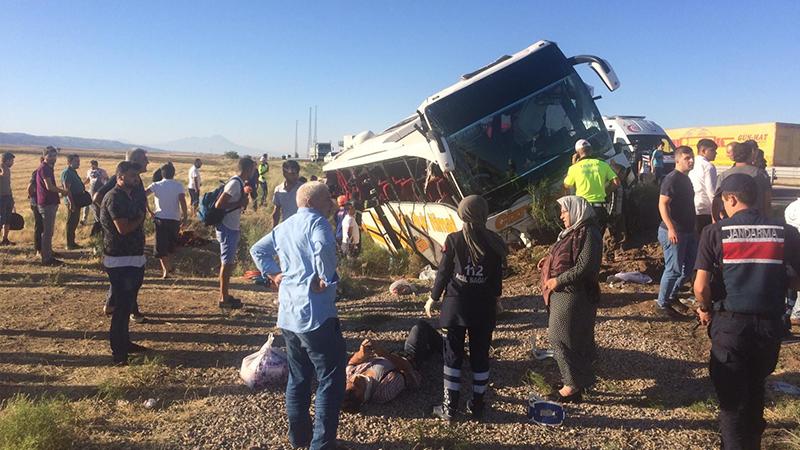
{"points": [[296, 123], [308, 145], [315, 125]]}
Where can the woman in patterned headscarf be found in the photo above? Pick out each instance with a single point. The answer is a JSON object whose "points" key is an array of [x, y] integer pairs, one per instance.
{"points": [[471, 271], [571, 290]]}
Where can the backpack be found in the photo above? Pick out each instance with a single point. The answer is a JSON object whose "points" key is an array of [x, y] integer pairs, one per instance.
{"points": [[210, 214]]}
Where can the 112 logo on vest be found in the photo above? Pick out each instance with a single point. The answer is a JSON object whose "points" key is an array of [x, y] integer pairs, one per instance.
{"points": [[752, 244]]}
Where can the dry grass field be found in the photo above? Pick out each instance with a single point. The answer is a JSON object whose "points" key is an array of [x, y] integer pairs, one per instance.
{"points": [[58, 384]]}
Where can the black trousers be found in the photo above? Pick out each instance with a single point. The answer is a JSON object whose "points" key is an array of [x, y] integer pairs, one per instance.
{"points": [[702, 221], [422, 342], [601, 215], [480, 338], [73, 218], [744, 351], [125, 284]]}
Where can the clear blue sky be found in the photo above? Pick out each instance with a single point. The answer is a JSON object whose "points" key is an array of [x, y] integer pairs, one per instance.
{"points": [[150, 72]]}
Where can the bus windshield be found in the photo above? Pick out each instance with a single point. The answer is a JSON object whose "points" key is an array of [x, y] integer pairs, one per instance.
{"points": [[500, 154]]}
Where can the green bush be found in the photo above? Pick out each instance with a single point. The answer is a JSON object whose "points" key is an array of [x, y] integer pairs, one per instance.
{"points": [[26, 424], [545, 212], [375, 260], [231, 155]]}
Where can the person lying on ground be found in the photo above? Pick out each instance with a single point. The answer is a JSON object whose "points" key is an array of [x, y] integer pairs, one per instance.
{"points": [[377, 376]]}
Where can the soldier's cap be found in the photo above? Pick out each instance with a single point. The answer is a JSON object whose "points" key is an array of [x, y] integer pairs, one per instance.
{"points": [[739, 182]]}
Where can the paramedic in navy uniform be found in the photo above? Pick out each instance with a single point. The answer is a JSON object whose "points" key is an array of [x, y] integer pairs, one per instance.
{"points": [[746, 327], [471, 278]]}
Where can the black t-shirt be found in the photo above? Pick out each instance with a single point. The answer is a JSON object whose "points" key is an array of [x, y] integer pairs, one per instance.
{"points": [[469, 288], [117, 204], [678, 187]]}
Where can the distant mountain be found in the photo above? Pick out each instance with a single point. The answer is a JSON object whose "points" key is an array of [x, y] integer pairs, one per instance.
{"points": [[65, 142], [211, 144]]}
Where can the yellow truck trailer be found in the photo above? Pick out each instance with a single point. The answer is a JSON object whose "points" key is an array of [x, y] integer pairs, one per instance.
{"points": [[780, 141]]}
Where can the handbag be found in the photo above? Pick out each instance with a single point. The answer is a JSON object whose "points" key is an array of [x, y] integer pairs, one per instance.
{"points": [[83, 199], [16, 222]]}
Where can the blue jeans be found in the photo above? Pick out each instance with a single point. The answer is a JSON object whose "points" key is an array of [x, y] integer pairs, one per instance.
{"points": [[678, 264], [320, 352]]}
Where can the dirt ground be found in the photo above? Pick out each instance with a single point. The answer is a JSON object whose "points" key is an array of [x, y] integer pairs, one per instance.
{"points": [[653, 390]]}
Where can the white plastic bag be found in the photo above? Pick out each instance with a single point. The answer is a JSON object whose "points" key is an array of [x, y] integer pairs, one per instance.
{"points": [[427, 274], [267, 366], [634, 277]]}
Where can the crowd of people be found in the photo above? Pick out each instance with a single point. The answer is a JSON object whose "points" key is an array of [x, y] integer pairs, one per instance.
{"points": [[715, 229]]}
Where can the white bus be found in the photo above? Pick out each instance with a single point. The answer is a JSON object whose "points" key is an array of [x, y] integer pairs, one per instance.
{"points": [[497, 131]]}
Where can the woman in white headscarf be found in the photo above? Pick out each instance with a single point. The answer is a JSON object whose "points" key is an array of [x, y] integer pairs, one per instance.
{"points": [[570, 287]]}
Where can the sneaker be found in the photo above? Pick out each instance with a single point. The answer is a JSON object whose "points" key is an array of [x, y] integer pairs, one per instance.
{"points": [[53, 263], [136, 348], [138, 318], [680, 307], [230, 303], [476, 409], [443, 412], [108, 309], [669, 313], [120, 362]]}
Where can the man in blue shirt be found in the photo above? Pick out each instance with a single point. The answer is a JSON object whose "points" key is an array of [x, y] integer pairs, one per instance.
{"points": [[306, 280]]}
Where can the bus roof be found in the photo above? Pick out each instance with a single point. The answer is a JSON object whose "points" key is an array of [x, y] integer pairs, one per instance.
{"points": [[399, 141]]}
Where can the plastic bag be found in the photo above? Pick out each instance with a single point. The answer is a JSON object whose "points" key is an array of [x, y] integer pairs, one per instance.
{"points": [[267, 366], [402, 287], [427, 274], [631, 277]]}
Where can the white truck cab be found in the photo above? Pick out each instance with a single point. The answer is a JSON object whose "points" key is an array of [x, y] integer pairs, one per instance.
{"points": [[636, 135]]}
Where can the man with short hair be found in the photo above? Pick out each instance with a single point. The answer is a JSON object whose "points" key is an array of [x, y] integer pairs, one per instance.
{"points": [[47, 199], [138, 156], [96, 177], [593, 179], [194, 184], [284, 198], [754, 252], [232, 200], [743, 158], [169, 197], [74, 186], [263, 173], [122, 214], [306, 279], [676, 232], [704, 182], [6, 195]]}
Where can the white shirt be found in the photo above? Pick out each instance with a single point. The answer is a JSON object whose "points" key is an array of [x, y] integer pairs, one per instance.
{"points": [[234, 189], [287, 200], [792, 214], [167, 193], [194, 173], [704, 182], [350, 233]]}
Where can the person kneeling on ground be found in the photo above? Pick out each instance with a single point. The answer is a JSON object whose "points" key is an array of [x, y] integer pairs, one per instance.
{"points": [[377, 376]]}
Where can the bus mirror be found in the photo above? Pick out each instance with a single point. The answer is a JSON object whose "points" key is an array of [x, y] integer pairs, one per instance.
{"points": [[601, 67]]}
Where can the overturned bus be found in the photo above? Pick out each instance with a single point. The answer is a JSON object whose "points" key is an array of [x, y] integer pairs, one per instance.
{"points": [[497, 132]]}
